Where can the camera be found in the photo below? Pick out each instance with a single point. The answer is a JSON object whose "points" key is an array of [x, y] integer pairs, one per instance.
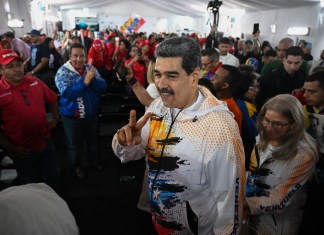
{"points": [[213, 5]]}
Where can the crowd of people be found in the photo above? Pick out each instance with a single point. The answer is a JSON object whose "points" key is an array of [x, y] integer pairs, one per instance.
{"points": [[232, 133]]}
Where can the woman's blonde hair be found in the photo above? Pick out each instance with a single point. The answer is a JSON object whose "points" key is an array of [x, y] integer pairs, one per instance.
{"points": [[289, 107], [150, 71]]}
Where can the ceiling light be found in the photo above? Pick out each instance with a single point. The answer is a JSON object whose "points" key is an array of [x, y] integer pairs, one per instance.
{"points": [[15, 23], [298, 31]]}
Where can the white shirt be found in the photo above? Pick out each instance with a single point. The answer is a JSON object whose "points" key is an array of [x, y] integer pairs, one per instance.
{"points": [[229, 59]]}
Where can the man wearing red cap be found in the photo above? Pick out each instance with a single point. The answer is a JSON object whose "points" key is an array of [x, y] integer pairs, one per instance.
{"points": [[99, 58], [25, 132]]}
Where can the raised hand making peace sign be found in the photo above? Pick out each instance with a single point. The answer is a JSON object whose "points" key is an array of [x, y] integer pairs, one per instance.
{"points": [[130, 134]]}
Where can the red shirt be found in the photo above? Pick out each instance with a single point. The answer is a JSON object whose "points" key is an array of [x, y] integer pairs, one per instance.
{"points": [[23, 114], [139, 71], [98, 56], [234, 108], [111, 50]]}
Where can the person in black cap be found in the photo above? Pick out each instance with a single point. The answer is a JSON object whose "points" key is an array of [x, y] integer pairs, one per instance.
{"points": [[39, 60], [250, 50]]}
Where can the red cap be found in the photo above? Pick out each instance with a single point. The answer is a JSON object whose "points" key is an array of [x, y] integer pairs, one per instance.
{"points": [[97, 45], [6, 56], [193, 35]]}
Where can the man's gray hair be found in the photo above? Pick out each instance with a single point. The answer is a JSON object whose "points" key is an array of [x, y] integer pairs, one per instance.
{"points": [[182, 47]]}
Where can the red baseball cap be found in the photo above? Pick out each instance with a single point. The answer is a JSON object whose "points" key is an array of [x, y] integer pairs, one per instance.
{"points": [[6, 56]]}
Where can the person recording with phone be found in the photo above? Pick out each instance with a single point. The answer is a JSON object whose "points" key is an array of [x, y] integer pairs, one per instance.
{"points": [[137, 62]]}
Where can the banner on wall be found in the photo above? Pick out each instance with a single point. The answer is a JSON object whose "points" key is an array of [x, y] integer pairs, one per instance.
{"points": [[84, 22]]}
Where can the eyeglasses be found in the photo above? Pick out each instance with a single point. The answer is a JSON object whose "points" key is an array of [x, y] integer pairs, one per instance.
{"points": [[23, 93], [275, 124], [205, 65]]}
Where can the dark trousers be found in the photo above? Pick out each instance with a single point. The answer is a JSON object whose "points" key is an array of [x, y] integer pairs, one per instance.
{"points": [[81, 137], [39, 167]]}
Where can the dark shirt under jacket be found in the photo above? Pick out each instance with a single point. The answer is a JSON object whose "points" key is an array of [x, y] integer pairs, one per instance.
{"points": [[87, 42], [278, 82]]}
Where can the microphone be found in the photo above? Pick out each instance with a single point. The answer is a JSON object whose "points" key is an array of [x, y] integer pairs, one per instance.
{"points": [[195, 119]]}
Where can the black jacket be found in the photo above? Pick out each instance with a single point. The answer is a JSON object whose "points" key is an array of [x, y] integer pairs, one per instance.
{"points": [[278, 82]]}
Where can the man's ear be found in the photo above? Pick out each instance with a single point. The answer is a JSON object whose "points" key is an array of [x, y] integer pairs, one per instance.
{"points": [[195, 75], [225, 86]]}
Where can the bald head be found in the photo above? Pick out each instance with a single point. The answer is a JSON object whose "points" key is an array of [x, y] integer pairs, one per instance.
{"points": [[283, 45]]}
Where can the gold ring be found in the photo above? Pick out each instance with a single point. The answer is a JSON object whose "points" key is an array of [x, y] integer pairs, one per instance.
{"points": [[118, 131]]}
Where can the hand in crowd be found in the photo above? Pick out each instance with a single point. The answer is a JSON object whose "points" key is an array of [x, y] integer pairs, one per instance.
{"points": [[213, 29], [129, 72], [52, 123], [90, 76], [130, 134]]}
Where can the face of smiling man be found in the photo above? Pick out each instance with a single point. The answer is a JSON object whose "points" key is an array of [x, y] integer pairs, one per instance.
{"points": [[176, 87]]}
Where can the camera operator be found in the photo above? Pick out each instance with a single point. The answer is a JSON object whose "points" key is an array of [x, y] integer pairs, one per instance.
{"points": [[212, 40], [137, 62]]}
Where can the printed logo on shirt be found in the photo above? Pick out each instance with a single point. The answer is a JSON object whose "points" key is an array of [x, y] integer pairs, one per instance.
{"points": [[284, 201], [81, 107], [9, 54], [33, 57], [34, 83]]}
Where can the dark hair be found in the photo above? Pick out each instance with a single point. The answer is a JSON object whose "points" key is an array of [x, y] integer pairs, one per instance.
{"points": [[210, 53], [110, 38], [77, 45], [9, 34], [47, 40], [317, 76], [265, 44], [126, 43], [271, 53], [207, 83], [130, 49], [152, 35], [294, 51], [185, 48], [247, 80], [234, 76], [246, 68], [225, 40]]}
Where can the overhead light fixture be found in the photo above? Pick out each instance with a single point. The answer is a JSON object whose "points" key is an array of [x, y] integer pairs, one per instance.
{"points": [[298, 31], [322, 3], [273, 28], [15, 23]]}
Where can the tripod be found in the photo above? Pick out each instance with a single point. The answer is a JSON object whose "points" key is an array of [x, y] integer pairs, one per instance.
{"points": [[214, 6]]}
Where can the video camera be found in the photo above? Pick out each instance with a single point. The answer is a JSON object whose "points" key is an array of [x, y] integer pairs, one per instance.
{"points": [[214, 5]]}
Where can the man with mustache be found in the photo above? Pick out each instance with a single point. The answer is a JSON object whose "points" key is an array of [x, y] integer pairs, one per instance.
{"points": [[25, 132], [195, 154]]}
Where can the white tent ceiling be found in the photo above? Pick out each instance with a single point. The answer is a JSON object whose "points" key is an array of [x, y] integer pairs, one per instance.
{"points": [[193, 8]]}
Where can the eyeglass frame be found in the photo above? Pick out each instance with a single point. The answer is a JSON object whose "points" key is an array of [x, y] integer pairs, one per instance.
{"points": [[275, 124], [205, 65]]}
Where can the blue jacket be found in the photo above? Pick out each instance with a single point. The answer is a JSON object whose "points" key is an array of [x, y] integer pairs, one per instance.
{"points": [[77, 100]]}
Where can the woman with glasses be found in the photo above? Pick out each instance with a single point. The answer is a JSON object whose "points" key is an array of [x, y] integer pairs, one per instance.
{"points": [[282, 164]]}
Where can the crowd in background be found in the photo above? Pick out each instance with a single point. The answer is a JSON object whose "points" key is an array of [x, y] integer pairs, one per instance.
{"points": [[274, 91]]}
